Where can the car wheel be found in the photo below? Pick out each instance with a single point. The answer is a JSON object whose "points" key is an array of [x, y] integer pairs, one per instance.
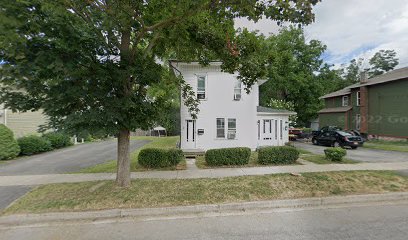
{"points": [[314, 141], [336, 144], [353, 147]]}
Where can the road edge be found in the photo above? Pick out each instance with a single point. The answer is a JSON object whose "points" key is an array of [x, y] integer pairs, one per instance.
{"points": [[334, 201]]}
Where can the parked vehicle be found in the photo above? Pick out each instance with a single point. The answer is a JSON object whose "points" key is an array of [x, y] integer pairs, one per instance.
{"points": [[337, 138], [294, 134]]}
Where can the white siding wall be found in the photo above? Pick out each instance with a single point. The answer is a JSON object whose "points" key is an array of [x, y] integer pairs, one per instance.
{"points": [[219, 103], [23, 123]]}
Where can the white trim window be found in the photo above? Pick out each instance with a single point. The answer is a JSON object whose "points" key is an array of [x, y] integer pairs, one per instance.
{"points": [[345, 101], [237, 90], [358, 121], [201, 87], [358, 98], [232, 128], [220, 128]]}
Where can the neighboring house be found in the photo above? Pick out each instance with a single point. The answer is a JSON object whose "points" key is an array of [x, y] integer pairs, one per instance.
{"points": [[23, 123], [376, 106], [228, 117]]}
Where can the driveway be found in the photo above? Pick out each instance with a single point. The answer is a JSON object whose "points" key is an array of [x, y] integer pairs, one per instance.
{"points": [[66, 160], [360, 154]]}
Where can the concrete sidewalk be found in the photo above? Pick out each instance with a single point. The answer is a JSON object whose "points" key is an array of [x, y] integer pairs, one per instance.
{"points": [[198, 173]]}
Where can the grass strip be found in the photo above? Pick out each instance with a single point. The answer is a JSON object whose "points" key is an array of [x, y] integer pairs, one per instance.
{"points": [[179, 192]]}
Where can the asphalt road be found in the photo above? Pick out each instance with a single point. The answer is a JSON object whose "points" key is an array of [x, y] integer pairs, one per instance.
{"points": [[66, 160], [364, 222], [360, 154]]}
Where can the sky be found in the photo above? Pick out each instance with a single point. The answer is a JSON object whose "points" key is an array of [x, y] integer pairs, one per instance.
{"points": [[353, 28]]}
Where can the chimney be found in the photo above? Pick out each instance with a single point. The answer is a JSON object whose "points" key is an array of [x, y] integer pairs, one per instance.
{"points": [[363, 77]]}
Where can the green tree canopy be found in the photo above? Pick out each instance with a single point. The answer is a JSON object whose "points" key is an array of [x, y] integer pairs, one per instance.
{"points": [[90, 64], [292, 72], [382, 62]]}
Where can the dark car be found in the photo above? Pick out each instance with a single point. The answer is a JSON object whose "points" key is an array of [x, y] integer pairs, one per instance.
{"points": [[337, 138]]}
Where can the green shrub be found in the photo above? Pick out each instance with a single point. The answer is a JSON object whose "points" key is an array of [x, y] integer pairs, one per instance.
{"points": [[306, 130], [58, 140], [228, 156], [335, 153], [159, 158], [8, 145], [32, 144], [277, 155]]}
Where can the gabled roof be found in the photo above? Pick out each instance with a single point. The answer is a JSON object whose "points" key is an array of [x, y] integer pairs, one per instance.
{"points": [[398, 74], [335, 110], [261, 109]]}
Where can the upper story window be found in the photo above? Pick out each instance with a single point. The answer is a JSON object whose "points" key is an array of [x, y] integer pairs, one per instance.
{"points": [[358, 97], [237, 91], [345, 101], [201, 87]]}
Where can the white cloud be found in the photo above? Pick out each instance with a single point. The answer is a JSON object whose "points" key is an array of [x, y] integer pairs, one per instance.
{"points": [[354, 28], [360, 28]]}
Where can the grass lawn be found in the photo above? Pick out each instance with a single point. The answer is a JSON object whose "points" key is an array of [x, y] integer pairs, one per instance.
{"points": [[253, 162], [156, 142], [321, 159], [400, 146], [179, 192]]}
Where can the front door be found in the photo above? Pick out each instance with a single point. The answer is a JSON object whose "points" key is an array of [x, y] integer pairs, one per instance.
{"points": [[190, 134], [267, 126]]}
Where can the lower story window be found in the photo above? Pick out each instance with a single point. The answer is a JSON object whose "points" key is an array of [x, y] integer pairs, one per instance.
{"points": [[232, 128], [220, 128], [228, 130]]}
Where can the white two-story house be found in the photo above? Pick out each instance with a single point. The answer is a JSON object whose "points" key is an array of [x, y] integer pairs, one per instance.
{"points": [[228, 117]]}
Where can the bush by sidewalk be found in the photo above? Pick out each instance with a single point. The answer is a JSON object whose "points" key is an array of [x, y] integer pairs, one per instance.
{"points": [[277, 155], [159, 158], [33, 144], [228, 156], [335, 154], [9, 148], [58, 140]]}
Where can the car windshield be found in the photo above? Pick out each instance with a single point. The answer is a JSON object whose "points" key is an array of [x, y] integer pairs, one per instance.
{"points": [[344, 133]]}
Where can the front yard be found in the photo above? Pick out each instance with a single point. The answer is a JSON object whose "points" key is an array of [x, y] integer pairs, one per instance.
{"points": [[156, 142], [321, 159], [400, 146], [180, 192]]}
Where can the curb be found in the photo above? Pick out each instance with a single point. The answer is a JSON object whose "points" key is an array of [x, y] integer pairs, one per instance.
{"points": [[28, 219]]}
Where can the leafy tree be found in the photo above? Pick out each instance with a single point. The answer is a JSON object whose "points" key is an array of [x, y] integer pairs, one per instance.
{"points": [[293, 64], [90, 64], [351, 72], [281, 104], [382, 62]]}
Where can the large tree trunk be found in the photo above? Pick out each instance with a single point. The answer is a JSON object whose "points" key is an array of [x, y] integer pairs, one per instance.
{"points": [[123, 168]]}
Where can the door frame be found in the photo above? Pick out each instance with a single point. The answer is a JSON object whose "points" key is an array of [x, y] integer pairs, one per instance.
{"points": [[192, 143]]}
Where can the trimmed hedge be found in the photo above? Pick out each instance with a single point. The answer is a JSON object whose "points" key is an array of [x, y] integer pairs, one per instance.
{"points": [[32, 144], [335, 154], [9, 148], [58, 140], [277, 155], [228, 156], [159, 158]]}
